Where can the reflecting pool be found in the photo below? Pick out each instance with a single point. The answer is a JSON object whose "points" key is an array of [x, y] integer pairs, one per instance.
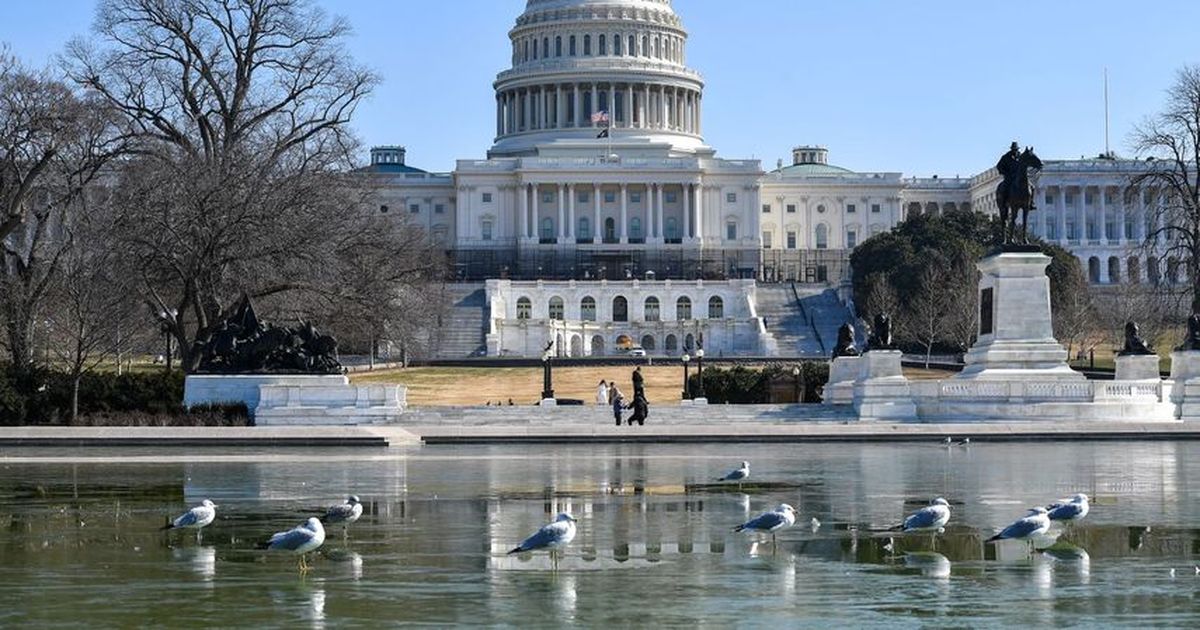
{"points": [[79, 537]]}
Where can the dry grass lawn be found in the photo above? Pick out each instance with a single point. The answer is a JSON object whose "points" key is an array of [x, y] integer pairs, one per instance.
{"points": [[462, 386]]}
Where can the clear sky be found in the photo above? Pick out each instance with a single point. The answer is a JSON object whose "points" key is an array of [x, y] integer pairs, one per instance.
{"points": [[922, 87]]}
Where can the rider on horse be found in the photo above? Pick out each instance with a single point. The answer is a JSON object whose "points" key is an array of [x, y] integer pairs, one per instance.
{"points": [[1014, 194]]}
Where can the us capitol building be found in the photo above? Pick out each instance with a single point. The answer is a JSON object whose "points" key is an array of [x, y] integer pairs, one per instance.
{"points": [[599, 175]]}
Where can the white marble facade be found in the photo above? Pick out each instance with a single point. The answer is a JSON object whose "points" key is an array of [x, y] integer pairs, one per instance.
{"points": [[586, 319]]}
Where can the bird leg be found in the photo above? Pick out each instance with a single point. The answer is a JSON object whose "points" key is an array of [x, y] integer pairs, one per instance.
{"points": [[303, 563], [197, 536]]}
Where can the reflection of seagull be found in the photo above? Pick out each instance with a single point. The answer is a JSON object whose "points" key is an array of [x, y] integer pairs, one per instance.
{"points": [[300, 540], [552, 537], [929, 563], [737, 474], [345, 513], [195, 518], [1027, 528], [771, 522], [1072, 510]]}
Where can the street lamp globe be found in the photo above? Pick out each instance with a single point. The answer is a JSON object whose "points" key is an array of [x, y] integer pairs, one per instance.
{"points": [[700, 353], [685, 358], [796, 371]]}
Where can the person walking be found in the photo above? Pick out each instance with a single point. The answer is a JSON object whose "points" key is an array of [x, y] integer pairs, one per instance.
{"points": [[639, 384], [618, 404], [641, 409], [602, 393]]}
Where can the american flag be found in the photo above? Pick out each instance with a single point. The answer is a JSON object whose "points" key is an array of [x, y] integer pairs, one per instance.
{"points": [[600, 117]]}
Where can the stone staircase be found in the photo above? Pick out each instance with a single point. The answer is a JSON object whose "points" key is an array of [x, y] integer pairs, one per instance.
{"points": [[461, 330], [801, 328], [592, 415]]}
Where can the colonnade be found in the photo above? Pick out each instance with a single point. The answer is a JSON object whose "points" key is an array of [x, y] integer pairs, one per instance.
{"points": [[571, 106], [654, 195]]}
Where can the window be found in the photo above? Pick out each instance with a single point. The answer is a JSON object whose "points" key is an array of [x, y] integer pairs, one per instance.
{"points": [[414, 208], [383, 209], [545, 47], [1068, 198], [731, 231], [651, 309], [822, 236], [603, 45], [524, 308], [672, 229], [617, 45], [587, 309], [556, 308], [610, 230], [581, 197], [670, 197], [1052, 230], [716, 308], [547, 229], [766, 240], [610, 197], [731, 197], [585, 229], [571, 45], [850, 209], [487, 230], [1071, 230], [526, 53], [1130, 227], [766, 208], [635, 197], [620, 309], [547, 197], [635, 228], [587, 45], [1049, 199], [874, 208], [558, 46], [439, 208], [791, 208], [630, 49], [851, 239], [683, 308], [487, 197], [791, 240]]}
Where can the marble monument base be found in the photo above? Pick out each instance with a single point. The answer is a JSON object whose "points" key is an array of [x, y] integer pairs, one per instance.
{"points": [[1185, 388], [1137, 367], [843, 371], [231, 389], [313, 404], [881, 392]]}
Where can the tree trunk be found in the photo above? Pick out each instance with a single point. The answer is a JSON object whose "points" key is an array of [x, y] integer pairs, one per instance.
{"points": [[928, 352], [75, 397]]}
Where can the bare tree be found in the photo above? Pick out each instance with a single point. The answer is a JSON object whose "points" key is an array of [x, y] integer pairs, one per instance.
{"points": [[240, 184], [930, 312], [1170, 143]]}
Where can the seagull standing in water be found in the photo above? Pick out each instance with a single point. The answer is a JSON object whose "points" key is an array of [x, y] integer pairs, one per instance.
{"points": [[932, 518], [299, 540], [739, 474], [770, 522], [196, 518], [1027, 528], [344, 513], [1069, 511], [552, 537]]}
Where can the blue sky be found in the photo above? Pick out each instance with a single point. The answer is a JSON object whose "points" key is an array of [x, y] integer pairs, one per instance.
{"points": [[926, 87]]}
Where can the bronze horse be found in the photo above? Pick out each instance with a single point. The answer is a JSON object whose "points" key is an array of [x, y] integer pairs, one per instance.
{"points": [[1015, 194]]}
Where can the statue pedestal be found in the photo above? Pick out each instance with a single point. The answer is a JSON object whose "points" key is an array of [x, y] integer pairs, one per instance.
{"points": [[881, 391], [548, 402], [1016, 336], [1137, 367], [843, 371], [231, 389], [1185, 389]]}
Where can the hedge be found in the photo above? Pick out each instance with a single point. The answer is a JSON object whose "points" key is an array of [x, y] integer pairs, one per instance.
{"points": [[741, 385]]}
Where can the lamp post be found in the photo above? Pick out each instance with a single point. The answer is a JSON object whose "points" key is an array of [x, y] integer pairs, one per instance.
{"points": [[796, 381], [547, 376], [687, 393], [700, 372]]}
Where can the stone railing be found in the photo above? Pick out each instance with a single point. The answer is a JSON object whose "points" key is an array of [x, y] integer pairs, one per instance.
{"points": [[1036, 391]]}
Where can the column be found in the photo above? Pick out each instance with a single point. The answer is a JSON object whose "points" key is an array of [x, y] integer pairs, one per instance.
{"points": [[559, 109], [622, 231], [543, 119], [595, 95], [1081, 214], [1103, 224], [700, 212], [499, 113], [1122, 194], [571, 210], [665, 122], [628, 106], [596, 210], [678, 110], [645, 106], [1062, 215], [699, 117], [661, 209], [524, 211], [525, 103], [611, 108], [687, 212], [562, 213], [1141, 215], [575, 107]]}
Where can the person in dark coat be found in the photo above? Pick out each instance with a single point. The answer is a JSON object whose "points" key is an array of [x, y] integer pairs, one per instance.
{"points": [[639, 386], [641, 409], [618, 404]]}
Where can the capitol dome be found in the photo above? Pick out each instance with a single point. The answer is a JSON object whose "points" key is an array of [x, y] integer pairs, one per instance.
{"points": [[576, 60]]}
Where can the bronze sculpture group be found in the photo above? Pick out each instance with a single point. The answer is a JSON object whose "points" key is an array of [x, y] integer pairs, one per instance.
{"points": [[244, 344]]}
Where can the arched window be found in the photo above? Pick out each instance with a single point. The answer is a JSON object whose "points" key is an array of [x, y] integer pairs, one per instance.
{"points": [[631, 50], [671, 344], [602, 45], [635, 227], [1173, 270], [571, 45], [716, 308], [584, 231], [597, 346], [1093, 270], [547, 229], [1133, 270], [648, 343], [587, 309], [731, 230], [1114, 269], [1152, 271], [645, 46], [652, 309], [556, 308], [587, 45], [610, 230], [822, 239], [689, 342], [620, 309], [524, 308], [672, 229], [545, 47], [558, 46], [525, 56], [683, 308], [617, 45]]}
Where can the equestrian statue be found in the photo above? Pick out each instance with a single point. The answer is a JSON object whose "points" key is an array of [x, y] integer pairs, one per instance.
{"points": [[1014, 194]]}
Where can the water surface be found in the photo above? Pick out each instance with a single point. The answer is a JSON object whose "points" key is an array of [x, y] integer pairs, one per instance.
{"points": [[79, 539]]}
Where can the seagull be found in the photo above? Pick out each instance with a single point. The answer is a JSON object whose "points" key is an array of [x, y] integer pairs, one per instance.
{"points": [[737, 474], [1073, 510], [196, 518], [299, 540], [773, 521], [344, 513], [932, 518], [552, 537], [1034, 524]]}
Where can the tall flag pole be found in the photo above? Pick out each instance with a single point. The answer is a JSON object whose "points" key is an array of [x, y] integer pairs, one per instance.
{"points": [[602, 117]]}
